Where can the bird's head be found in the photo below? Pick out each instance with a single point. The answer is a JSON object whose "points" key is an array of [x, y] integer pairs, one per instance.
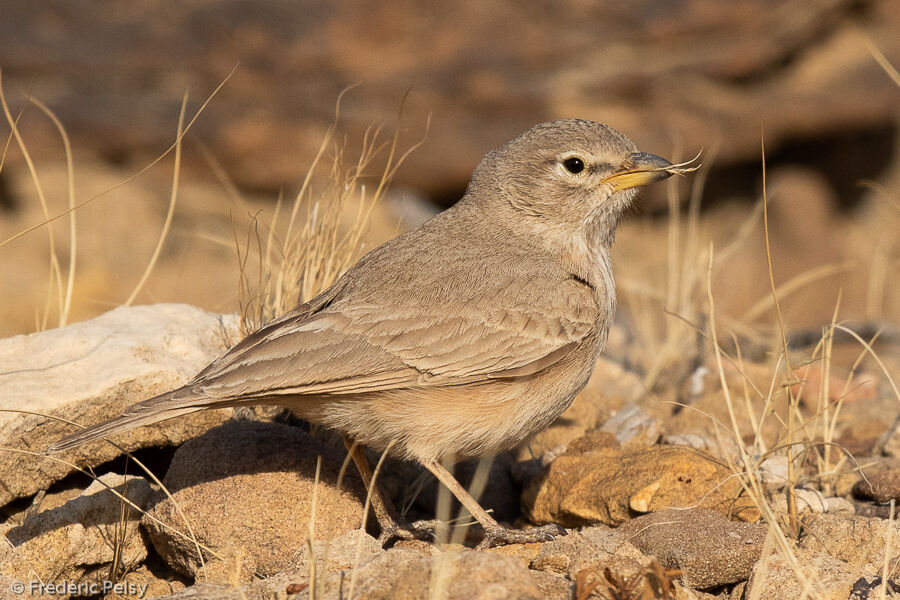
{"points": [[571, 176]]}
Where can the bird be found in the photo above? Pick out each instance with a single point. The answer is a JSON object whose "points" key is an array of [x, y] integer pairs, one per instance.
{"points": [[455, 340]]}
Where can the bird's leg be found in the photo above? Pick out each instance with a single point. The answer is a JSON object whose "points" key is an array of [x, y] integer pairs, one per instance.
{"points": [[495, 534], [392, 525]]}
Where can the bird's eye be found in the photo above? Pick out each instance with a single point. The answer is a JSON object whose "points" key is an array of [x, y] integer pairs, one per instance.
{"points": [[574, 165]]}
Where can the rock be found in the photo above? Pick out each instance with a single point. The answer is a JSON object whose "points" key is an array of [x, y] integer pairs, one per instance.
{"points": [[17, 588], [633, 428], [824, 577], [813, 501], [152, 584], [401, 574], [344, 553], [605, 485], [875, 511], [859, 541], [246, 488], [78, 541], [709, 549], [811, 383], [553, 586], [89, 372], [422, 547], [592, 548], [774, 471], [883, 483], [524, 553], [724, 448], [869, 588], [653, 581], [861, 436], [450, 575]]}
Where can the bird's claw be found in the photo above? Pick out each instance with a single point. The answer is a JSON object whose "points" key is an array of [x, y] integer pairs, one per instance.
{"points": [[420, 530], [493, 536], [498, 536]]}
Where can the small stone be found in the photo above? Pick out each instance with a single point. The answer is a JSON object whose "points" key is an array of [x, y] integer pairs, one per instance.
{"points": [[525, 553], [78, 541], [346, 552], [883, 483], [724, 448], [813, 501], [246, 488], [774, 577], [641, 499], [401, 574], [594, 548], [857, 540], [553, 586], [633, 428], [460, 575], [601, 484], [774, 471], [709, 549]]}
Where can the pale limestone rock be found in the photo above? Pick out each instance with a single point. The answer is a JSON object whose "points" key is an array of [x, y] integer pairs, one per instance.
{"points": [[89, 372], [78, 541]]}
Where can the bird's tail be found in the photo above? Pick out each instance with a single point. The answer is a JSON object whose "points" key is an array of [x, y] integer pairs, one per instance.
{"points": [[159, 408]]}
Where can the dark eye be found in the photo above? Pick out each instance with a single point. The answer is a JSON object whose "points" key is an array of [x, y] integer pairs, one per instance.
{"points": [[574, 165]]}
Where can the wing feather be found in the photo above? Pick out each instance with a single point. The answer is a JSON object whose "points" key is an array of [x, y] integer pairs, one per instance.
{"points": [[355, 347]]}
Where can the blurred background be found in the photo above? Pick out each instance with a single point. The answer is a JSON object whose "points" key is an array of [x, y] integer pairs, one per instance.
{"points": [[677, 76]]}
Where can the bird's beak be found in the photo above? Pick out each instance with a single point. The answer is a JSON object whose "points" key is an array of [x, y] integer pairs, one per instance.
{"points": [[639, 169]]}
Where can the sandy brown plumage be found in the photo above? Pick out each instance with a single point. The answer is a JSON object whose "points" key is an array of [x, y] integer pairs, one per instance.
{"points": [[460, 338]]}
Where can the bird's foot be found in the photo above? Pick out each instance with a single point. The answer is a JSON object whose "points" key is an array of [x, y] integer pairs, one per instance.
{"points": [[402, 530], [498, 536]]}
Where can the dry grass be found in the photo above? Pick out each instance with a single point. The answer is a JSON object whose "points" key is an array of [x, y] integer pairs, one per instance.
{"points": [[61, 282], [296, 258], [689, 343], [170, 212], [55, 274], [801, 436]]}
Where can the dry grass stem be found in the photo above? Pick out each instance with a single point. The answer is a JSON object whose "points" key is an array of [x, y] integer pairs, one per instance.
{"points": [[55, 271], [73, 245], [128, 179], [312, 530], [298, 261], [170, 212]]}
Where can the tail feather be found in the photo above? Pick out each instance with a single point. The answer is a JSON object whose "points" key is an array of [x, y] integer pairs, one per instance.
{"points": [[177, 402]]}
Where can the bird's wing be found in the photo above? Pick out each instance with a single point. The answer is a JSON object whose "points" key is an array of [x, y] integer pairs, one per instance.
{"points": [[358, 347], [355, 348], [512, 334]]}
